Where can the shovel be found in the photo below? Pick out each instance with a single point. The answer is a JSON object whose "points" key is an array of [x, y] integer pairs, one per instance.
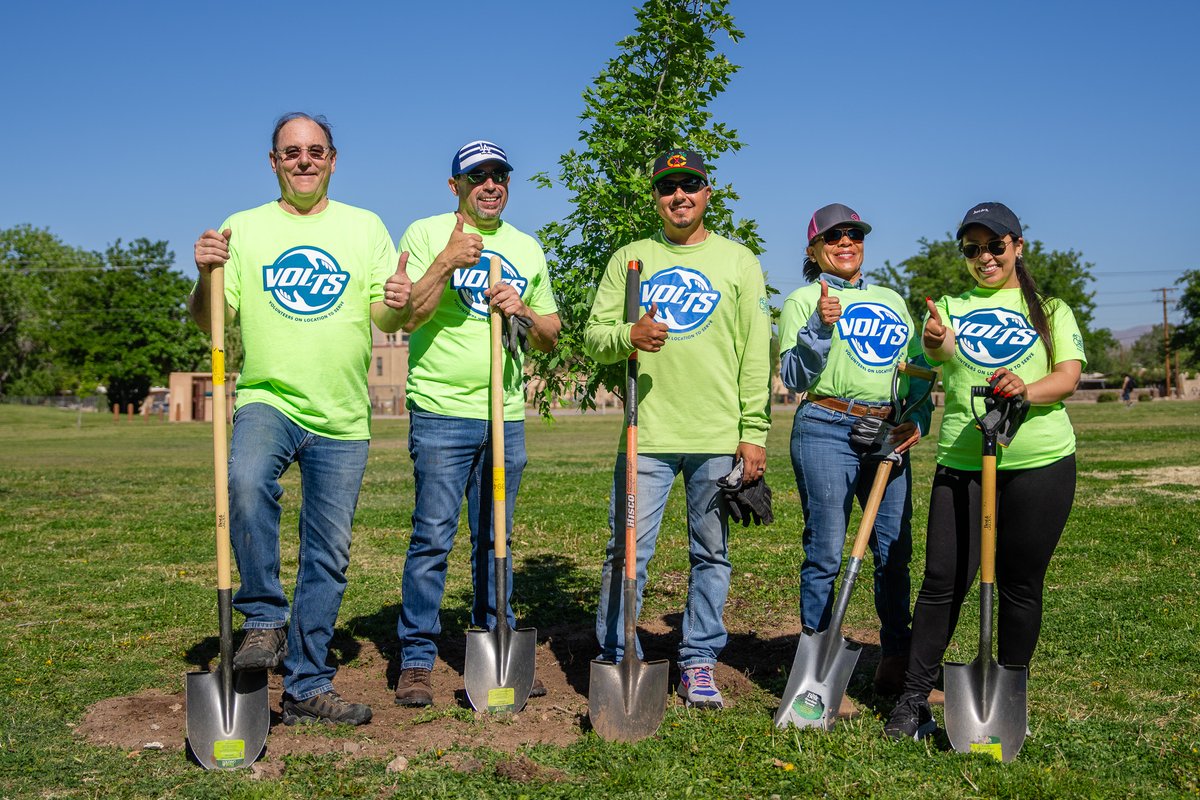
{"points": [[627, 700], [986, 704], [825, 661], [228, 715], [498, 671]]}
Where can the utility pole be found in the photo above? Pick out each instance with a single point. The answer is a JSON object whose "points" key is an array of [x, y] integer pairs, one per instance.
{"points": [[1166, 343]]}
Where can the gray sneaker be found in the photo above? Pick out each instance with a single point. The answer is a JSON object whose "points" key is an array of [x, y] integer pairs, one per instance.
{"points": [[263, 648], [327, 707], [414, 688]]}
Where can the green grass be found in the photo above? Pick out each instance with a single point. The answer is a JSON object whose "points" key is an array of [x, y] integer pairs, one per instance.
{"points": [[105, 590]]}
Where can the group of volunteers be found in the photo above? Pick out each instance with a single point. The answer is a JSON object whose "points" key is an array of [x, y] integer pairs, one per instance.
{"points": [[306, 277]]}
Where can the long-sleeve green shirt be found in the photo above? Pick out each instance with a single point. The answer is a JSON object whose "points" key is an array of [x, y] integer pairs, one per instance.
{"points": [[708, 388]]}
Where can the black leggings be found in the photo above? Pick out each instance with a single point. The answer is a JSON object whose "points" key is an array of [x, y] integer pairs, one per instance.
{"points": [[1032, 509]]}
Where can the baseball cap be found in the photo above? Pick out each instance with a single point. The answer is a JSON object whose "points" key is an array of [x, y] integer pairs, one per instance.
{"points": [[833, 215], [472, 154], [678, 161], [996, 217]]}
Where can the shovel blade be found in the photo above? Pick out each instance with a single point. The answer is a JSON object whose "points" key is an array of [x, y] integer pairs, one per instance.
{"points": [[498, 675], [986, 708], [817, 682], [627, 700], [227, 733]]}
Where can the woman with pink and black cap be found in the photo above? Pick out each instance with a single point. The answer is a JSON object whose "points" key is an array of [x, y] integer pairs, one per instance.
{"points": [[1007, 333]]}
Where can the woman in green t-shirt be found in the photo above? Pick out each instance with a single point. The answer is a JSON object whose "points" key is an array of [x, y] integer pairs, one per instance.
{"points": [[1004, 330]]}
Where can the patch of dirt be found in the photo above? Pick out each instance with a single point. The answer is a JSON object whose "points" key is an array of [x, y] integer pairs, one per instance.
{"points": [[750, 663], [1149, 480]]}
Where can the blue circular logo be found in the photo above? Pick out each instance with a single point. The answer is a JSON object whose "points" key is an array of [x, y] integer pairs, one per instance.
{"points": [[305, 280], [471, 282], [993, 337], [876, 334], [685, 298]]}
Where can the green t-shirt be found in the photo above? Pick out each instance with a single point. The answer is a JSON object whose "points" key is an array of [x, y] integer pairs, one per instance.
{"points": [[449, 357], [302, 287], [875, 332], [992, 330], [708, 388]]}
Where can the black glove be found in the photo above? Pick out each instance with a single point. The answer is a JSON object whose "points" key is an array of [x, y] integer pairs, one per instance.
{"points": [[516, 334], [749, 501]]}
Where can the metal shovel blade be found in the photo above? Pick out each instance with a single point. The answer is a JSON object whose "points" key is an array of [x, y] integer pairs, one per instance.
{"points": [[227, 731], [986, 708], [498, 671], [820, 672], [627, 700]]}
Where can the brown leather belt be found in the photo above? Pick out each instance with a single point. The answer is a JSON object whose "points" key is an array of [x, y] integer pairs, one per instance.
{"points": [[853, 409]]}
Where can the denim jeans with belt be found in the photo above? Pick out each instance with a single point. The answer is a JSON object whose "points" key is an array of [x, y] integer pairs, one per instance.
{"points": [[704, 633], [265, 444], [452, 456], [829, 475]]}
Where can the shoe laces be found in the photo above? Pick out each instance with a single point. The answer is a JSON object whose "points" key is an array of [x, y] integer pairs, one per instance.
{"points": [[700, 677]]}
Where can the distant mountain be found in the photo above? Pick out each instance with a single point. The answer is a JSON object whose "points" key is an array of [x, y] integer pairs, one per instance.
{"points": [[1128, 336]]}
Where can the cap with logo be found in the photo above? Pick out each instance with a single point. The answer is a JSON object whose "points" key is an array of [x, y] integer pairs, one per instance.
{"points": [[996, 217], [674, 162], [472, 154], [832, 216]]}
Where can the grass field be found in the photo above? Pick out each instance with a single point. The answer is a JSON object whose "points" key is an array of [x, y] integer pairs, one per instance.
{"points": [[106, 590]]}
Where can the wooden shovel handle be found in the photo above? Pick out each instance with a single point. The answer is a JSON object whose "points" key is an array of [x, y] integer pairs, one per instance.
{"points": [[216, 319], [987, 529], [633, 285], [499, 503], [871, 510]]}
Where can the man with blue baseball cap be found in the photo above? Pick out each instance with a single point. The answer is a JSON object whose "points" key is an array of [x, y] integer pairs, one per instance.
{"points": [[449, 368]]}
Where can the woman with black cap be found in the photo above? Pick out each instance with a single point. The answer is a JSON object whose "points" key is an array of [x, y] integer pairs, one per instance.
{"points": [[841, 339], [1006, 333]]}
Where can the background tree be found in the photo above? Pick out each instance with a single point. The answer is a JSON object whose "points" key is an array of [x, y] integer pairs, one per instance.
{"points": [[649, 98], [1186, 336]]}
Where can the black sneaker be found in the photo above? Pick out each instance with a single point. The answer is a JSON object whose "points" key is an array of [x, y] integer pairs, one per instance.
{"points": [[328, 708], [263, 648], [910, 719]]}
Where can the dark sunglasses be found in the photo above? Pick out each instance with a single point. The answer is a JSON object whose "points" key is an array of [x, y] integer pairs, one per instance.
{"points": [[689, 186], [973, 251], [834, 235], [499, 177]]}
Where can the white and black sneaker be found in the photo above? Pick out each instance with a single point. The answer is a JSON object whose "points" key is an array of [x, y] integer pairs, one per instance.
{"points": [[910, 719]]}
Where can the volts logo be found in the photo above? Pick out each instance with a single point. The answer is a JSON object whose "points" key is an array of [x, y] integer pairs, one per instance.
{"points": [[471, 282], [993, 337], [874, 333], [305, 280], [685, 298]]}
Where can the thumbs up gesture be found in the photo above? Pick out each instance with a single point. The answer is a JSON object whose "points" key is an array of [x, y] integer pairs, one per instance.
{"points": [[398, 287], [647, 334], [829, 308], [934, 335], [463, 249]]}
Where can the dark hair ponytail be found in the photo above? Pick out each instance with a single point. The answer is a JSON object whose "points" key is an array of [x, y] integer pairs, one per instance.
{"points": [[812, 270], [1035, 301]]}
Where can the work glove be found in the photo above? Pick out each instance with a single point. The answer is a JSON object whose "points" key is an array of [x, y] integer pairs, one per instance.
{"points": [[748, 501], [870, 437], [516, 334]]}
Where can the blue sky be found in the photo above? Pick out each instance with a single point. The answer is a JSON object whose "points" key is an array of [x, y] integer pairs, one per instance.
{"points": [[128, 119]]}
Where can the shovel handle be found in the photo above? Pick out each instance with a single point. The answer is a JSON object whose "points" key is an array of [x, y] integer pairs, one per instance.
{"points": [[871, 510], [499, 503], [216, 318], [633, 287], [916, 371], [987, 528]]}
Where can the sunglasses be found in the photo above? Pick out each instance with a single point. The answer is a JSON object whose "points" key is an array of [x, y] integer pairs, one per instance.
{"points": [[973, 251], [315, 152], [834, 235], [689, 185], [499, 177]]}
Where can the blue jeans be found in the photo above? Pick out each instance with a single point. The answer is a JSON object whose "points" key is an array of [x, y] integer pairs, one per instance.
{"points": [[708, 551], [829, 475], [452, 456], [265, 444]]}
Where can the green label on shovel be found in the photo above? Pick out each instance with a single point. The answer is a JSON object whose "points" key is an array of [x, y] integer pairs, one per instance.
{"points": [[229, 752], [991, 747], [501, 699], [808, 706]]}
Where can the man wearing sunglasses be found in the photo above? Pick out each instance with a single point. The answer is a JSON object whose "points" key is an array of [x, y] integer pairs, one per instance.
{"points": [[304, 277], [704, 344], [447, 391]]}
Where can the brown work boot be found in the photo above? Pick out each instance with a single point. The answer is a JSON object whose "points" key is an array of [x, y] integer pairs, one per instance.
{"points": [[936, 697], [414, 688], [263, 648], [889, 675], [328, 708], [847, 710]]}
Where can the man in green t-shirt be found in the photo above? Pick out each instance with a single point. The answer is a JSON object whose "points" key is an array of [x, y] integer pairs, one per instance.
{"points": [[703, 390], [305, 276], [448, 377]]}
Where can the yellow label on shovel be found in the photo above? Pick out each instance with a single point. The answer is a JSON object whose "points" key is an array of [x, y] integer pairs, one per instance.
{"points": [[991, 747], [229, 752], [501, 699], [218, 367]]}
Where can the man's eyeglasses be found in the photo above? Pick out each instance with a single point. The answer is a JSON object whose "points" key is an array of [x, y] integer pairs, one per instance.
{"points": [[689, 186], [499, 177], [315, 152], [973, 251], [834, 235]]}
